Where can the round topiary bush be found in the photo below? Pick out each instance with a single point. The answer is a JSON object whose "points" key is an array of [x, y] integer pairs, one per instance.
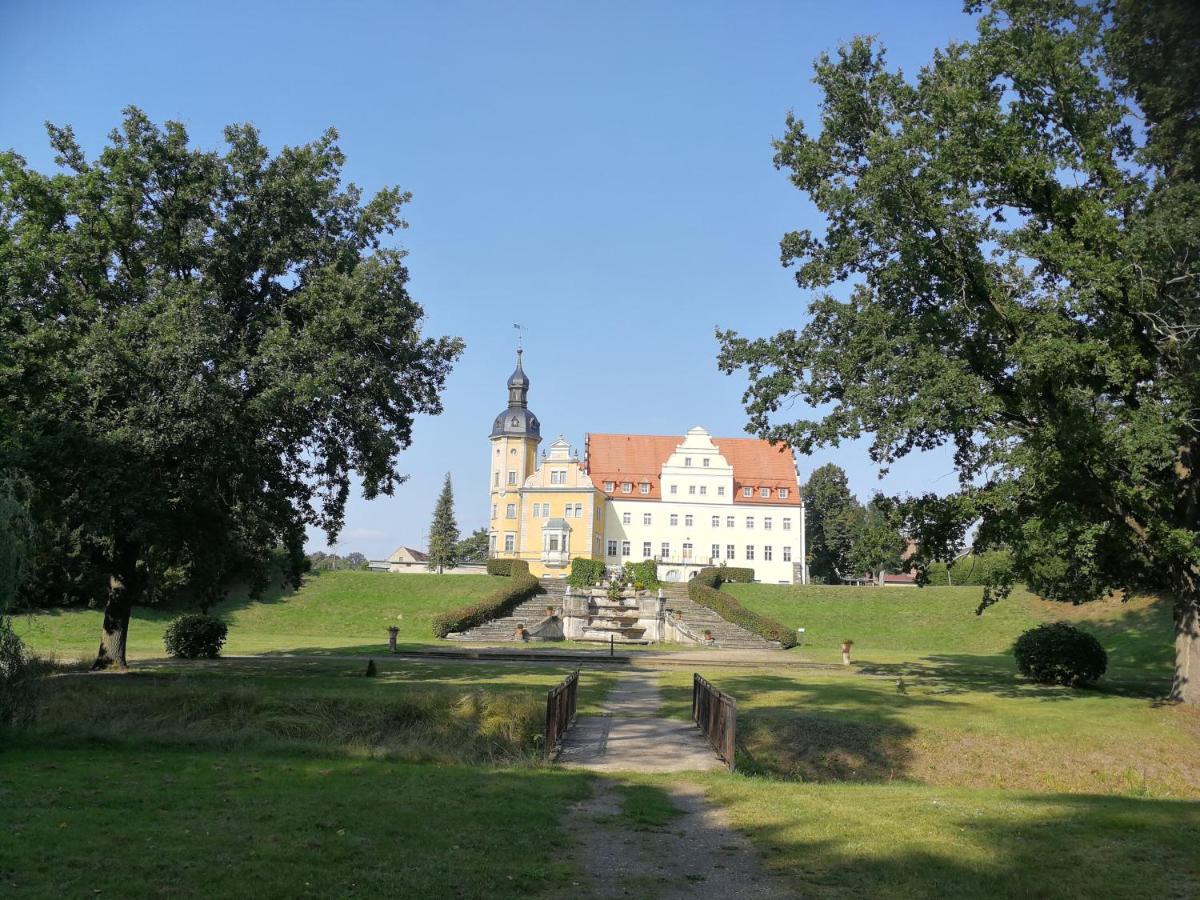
{"points": [[195, 636], [1058, 653]]}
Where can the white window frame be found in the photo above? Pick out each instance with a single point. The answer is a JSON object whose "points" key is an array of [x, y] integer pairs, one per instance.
{"points": [[720, 490], [674, 520], [716, 521], [787, 524], [626, 518], [787, 554], [510, 511], [647, 518], [705, 463], [666, 549], [749, 552], [625, 548], [730, 522], [716, 551], [512, 476], [692, 489], [510, 542], [612, 548], [783, 493], [687, 521], [767, 553], [646, 551], [687, 461], [747, 492], [644, 487], [765, 493], [730, 551], [704, 490], [674, 488], [766, 523], [609, 486], [749, 523]]}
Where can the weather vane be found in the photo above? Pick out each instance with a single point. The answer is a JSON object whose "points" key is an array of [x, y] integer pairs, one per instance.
{"points": [[520, 334]]}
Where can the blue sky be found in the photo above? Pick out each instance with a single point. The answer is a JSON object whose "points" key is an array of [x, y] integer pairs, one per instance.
{"points": [[599, 172]]}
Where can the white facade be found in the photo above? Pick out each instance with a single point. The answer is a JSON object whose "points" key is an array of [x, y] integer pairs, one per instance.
{"points": [[697, 521]]}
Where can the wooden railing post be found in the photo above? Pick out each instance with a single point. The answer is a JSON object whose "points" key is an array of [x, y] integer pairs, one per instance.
{"points": [[715, 713], [561, 703]]}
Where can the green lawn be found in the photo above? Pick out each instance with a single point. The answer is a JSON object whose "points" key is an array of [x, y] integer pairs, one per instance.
{"points": [[347, 612], [88, 821], [893, 625]]}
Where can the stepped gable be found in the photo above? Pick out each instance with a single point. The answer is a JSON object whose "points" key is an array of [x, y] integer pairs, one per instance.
{"points": [[639, 458]]}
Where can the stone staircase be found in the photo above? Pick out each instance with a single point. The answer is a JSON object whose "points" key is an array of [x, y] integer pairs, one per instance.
{"points": [[698, 618], [528, 613]]}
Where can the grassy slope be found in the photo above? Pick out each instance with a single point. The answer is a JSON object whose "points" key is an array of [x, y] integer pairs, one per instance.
{"points": [[348, 612], [903, 624]]}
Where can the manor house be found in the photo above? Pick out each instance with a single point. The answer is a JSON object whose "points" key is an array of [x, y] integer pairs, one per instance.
{"points": [[686, 502]]}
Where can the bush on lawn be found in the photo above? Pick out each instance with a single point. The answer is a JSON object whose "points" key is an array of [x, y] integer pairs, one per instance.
{"points": [[501, 603], [507, 567], [195, 636], [705, 590], [585, 572], [18, 679], [644, 574], [1058, 653]]}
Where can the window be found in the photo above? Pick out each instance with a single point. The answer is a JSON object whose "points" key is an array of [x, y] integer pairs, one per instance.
{"points": [[766, 523], [716, 522], [626, 487], [703, 490], [729, 552], [729, 521], [706, 462], [787, 524], [552, 543], [687, 521], [493, 510], [566, 511], [764, 492], [721, 490], [626, 518], [624, 548], [747, 492], [608, 485], [510, 542], [512, 477], [787, 554], [766, 553], [646, 550], [692, 489], [612, 548], [687, 551], [674, 488], [646, 518], [510, 511], [749, 551], [674, 519], [492, 538], [687, 460], [644, 487], [495, 479], [783, 493], [579, 510], [537, 510], [558, 476], [666, 550], [749, 521], [716, 551]]}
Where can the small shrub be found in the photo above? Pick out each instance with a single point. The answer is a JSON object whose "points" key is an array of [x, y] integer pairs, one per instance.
{"points": [[1058, 653], [507, 567], [585, 572], [643, 575], [372, 671], [501, 603], [195, 636], [18, 679]]}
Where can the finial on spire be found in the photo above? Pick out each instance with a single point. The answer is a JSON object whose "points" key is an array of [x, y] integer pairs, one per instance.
{"points": [[520, 338]]}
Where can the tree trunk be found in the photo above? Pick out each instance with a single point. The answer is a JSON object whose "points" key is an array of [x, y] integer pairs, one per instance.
{"points": [[123, 591], [1186, 686]]}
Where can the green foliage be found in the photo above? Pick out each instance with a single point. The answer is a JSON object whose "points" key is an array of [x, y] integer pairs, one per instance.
{"points": [[474, 547], [507, 567], [830, 506], [16, 537], [975, 569], [18, 680], [195, 636], [1008, 268], [443, 533], [585, 572], [704, 589], [372, 669], [200, 348], [643, 575], [877, 541], [733, 574], [501, 603], [1058, 653]]}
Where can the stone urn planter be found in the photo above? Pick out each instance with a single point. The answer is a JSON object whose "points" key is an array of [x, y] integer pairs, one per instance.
{"points": [[708, 638], [522, 633], [846, 645]]}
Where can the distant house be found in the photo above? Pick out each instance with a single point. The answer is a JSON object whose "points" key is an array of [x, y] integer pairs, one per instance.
{"points": [[403, 559]]}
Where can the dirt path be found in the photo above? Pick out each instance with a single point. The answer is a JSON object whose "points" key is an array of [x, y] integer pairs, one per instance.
{"points": [[695, 854]]}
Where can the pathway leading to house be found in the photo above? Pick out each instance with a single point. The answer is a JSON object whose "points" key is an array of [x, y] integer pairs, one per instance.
{"points": [[630, 737]]}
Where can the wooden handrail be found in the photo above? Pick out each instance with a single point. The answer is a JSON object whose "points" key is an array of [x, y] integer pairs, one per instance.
{"points": [[715, 712]]}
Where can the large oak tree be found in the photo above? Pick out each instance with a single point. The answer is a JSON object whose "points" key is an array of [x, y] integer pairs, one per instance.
{"points": [[198, 350], [1012, 238]]}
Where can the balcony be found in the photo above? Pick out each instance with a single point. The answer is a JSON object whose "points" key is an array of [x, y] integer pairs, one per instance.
{"points": [[556, 558]]}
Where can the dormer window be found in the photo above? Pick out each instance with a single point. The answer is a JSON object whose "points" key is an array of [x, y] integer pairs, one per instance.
{"points": [[626, 487], [644, 487], [687, 461], [608, 486], [764, 493], [747, 492], [783, 493]]}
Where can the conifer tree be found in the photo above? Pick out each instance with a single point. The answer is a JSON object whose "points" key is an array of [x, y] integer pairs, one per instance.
{"points": [[443, 533]]}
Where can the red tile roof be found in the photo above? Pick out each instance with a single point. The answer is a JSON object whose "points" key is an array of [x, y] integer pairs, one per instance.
{"points": [[637, 458]]}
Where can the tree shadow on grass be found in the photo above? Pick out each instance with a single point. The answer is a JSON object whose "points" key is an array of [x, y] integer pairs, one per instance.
{"points": [[923, 842]]}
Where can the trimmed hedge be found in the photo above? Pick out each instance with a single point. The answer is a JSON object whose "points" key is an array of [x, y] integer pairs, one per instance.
{"points": [[501, 603], [195, 636], [733, 574], [644, 573], [1059, 653], [705, 590], [585, 572], [507, 567]]}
